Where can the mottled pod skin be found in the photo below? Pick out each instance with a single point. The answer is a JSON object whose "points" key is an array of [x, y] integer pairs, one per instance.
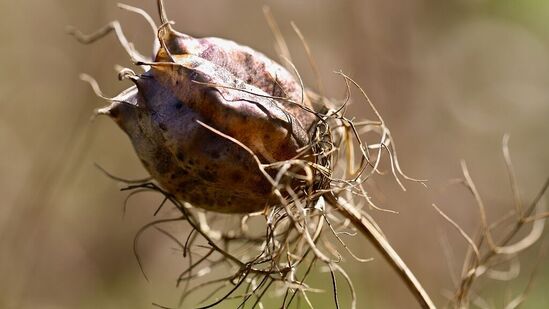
{"points": [[247, 64], [195, 85]]}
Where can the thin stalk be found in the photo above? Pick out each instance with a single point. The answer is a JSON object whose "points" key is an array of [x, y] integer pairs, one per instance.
{"points": [[382, 245]]}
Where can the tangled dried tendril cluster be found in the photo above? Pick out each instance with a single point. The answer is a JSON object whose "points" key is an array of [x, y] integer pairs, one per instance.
{"points": [[280, 257], [494, 252]]}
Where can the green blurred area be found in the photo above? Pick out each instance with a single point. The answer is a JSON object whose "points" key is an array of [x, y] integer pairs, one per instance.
{"points": [[449, 77]]}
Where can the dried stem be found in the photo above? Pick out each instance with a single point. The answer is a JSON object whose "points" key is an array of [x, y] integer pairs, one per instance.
{"points": [[383, 246]]}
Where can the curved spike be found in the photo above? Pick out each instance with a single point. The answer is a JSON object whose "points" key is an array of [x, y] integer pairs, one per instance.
{"points": [[170, 40], [94, 85], [141, 12], [162, 12], [149, 20], [164, 35], [102, 32], [167, 23], [126, 73]]}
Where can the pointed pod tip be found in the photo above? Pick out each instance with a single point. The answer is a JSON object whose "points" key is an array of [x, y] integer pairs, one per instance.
{"points": [[126, 73], [103, 111], [112, 110]]}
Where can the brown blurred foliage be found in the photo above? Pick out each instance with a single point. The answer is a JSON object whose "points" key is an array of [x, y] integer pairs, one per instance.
{"points": [[450, 78]]}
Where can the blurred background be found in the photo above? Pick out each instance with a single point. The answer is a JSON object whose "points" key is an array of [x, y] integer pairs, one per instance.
{"points": [[450, 78]]}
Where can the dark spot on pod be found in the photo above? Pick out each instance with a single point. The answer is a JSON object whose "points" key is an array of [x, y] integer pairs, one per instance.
{"points": [[240, 157], [180, 156], [207, 175], [249, 62], [191, 162], [163, 161], [180, 172], [163, 126], [236, 176], [162, 167], [183, 186], [178, 105], [264, 189], [197, 182]]}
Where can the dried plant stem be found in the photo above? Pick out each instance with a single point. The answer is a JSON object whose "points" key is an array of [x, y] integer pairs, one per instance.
{"points": [[382, 245]]}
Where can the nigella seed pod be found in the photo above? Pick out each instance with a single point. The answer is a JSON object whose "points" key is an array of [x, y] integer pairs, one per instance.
{"points": [[162, 116], [196, 85]]}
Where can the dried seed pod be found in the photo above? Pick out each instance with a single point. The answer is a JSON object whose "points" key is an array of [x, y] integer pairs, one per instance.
{"points": [[161, 113], [224, 86]]}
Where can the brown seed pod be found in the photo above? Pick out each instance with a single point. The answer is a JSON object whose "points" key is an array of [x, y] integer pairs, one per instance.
{"points": [[193, 83], [161, 116]]}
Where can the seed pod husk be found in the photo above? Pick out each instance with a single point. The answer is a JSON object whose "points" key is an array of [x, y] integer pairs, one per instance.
{"points": [[161, 116]]}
